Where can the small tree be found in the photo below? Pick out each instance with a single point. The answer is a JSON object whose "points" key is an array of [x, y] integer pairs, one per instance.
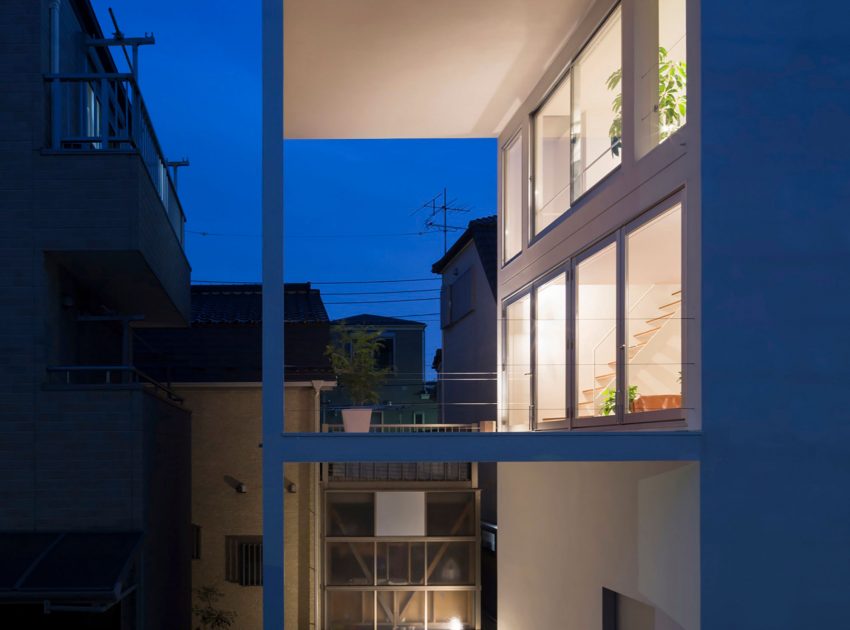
{"points": [[209, 615], [354, 358]]}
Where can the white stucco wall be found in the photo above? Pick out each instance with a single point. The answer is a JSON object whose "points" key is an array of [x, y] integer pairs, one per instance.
{"points": [[566, 530]]}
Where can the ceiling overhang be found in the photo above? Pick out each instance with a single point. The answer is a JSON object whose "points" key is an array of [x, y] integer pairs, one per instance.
{"points": [[359, 69]]}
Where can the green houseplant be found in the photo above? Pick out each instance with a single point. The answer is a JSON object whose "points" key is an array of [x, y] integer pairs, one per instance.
{"points": [[609, 399], [353, 353], [672, 99]]}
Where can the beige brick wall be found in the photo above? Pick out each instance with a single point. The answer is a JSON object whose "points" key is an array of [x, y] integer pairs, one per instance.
{"points": [[226, 433]]}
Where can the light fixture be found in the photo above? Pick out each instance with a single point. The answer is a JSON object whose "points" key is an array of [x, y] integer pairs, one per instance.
{"points": [[241, 488], [455, 624]]}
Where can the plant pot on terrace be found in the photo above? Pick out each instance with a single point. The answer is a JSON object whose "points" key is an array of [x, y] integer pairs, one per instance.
{"points": [[353, 354]]}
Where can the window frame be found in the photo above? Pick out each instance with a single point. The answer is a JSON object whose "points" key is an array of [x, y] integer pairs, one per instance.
{"points": [[566, 75], [507, 302], [569, 267], [566, 270], [517, 136]]}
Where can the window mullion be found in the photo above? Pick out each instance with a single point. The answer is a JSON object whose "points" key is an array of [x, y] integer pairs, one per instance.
{"points": [[622, 395]]}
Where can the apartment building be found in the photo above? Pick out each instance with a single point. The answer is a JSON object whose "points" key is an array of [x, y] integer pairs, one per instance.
{"points": [[670, 219], [95, 505]]}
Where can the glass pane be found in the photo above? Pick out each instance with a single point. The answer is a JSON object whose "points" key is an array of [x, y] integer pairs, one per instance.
{"points": [[350, 564], [596, 333], [672, 67], [401, 563], [551, 347], [401, 609], [517, 367], [451, 514], [597, 120], [350, 514], [654, 313], [552, 157], [350, 610], [513, 199], [451, 563], [451, 610]]}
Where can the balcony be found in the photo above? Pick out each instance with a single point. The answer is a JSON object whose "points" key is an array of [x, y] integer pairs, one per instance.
{"points": [[108, 199]]}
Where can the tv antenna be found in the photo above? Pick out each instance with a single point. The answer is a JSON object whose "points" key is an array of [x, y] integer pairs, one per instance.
{"points": [[438, 208]]}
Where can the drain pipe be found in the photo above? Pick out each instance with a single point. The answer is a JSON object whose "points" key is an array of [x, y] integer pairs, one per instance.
{"points": [[55, 85], [54, 36]]}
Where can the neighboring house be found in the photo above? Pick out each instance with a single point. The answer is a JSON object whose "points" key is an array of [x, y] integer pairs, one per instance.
{"points": [[95, 503], [467, 390], [406, 398], [215, 366], [467, 365], [672, 288]]}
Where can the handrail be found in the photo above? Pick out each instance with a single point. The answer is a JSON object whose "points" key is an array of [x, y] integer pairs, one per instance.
{"points": [[410, 428], [608, 334], [135, 376], [112, 116]]}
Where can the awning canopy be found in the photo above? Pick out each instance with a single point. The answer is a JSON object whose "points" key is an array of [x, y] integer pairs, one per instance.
{"points": [[416, 68], [67, 568]]}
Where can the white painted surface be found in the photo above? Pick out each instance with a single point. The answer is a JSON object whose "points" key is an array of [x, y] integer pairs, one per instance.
{"points": [[414, 69], [566, 530], [399, 513]]}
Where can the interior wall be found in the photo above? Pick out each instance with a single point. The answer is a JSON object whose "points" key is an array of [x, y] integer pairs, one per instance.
{"points": [[568, 529]]}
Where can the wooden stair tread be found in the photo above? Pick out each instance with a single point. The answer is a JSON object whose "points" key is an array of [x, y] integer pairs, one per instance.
{"points": [[659, 318], [651, 331], [670, 304]]}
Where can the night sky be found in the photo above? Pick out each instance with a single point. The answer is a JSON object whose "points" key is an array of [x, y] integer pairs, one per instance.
{"points": [[349, 204]]}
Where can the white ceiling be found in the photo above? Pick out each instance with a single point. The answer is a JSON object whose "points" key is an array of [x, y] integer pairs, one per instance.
{"points": [[416, 68]]}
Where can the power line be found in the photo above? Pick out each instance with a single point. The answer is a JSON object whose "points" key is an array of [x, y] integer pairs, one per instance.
{"points": [[381, 292], [388, 301], [205, 233], [431, 279]]}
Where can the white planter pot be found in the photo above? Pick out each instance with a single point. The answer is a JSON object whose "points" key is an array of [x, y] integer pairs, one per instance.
{"points": [[357, 420]]}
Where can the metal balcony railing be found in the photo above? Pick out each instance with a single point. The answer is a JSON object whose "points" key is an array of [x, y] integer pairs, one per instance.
{"points": [[410, 428], [106, 112], [107, 375]]}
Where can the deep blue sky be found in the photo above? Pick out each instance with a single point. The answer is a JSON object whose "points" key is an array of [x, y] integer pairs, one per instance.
{"points": [[347, 202]]}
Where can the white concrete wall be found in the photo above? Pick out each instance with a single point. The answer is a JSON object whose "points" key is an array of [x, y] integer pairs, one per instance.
{"points": [[566, 530]]}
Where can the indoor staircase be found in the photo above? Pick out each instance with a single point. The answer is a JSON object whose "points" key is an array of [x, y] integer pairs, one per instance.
{"points": [[592, 397]]}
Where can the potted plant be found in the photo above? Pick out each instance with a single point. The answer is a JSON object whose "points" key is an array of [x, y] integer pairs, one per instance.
{"points": [[672, 99], [609, 400], [354, 354]]}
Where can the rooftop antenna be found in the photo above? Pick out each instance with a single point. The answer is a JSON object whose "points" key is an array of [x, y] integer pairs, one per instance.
{"points": [[438, 216], [119, 39]]}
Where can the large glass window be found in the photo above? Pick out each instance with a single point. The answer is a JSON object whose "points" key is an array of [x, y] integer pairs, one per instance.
{"points": [[653, 313], [661, 71], [551, 350], [552, 158], [512, 202], [517, 367], [596, 333], [597, 107]]}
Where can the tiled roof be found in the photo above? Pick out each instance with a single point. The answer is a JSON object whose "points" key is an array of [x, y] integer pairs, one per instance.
{"points": [[483, 233], [224, 341], [235, 304], [376, 320]]}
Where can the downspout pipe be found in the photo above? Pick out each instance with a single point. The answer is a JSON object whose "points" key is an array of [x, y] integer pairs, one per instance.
{"points": [[55, 86], [53, 8]]}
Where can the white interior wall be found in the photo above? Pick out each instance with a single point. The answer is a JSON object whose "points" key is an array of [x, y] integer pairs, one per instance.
{"points": [[566, 530]]}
